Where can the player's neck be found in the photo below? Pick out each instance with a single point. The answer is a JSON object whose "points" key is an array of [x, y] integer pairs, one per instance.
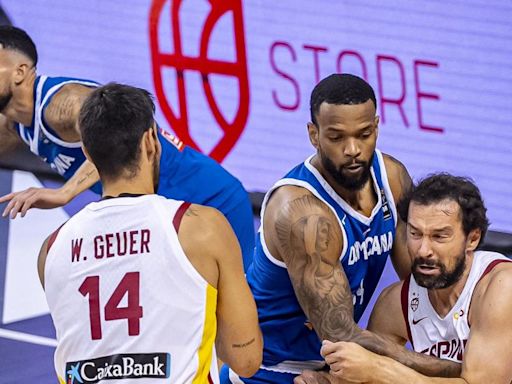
{"points": [[443, 300], [138, 185], [21, 106]]}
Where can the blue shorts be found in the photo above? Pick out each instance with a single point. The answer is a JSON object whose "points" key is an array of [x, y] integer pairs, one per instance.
{"points": [[227, 376]]}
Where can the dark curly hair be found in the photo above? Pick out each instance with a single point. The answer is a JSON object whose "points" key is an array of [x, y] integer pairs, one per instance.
{"points": [[340, 89], [443, 186]]}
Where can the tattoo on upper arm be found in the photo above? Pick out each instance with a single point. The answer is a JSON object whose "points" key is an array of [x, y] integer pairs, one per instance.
{"points": [[243, 345], [309, 240]]}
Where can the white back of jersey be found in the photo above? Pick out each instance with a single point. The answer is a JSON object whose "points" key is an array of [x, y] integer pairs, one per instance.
{"points": [[444, 337], [125, 300]]}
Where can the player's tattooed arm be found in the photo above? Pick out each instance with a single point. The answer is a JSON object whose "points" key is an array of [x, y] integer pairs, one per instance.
{"points": [[310, 241], [63, 111]]}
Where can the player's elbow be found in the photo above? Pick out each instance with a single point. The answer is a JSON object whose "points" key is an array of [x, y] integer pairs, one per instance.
{"points": [[247, 367], [247, 362]]}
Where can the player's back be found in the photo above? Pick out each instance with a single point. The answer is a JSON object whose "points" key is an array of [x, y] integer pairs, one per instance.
{"points": [[125, 300]]}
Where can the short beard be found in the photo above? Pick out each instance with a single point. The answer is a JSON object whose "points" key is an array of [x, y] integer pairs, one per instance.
{"points": [[347, 182], [445, 279], [5, 100]]}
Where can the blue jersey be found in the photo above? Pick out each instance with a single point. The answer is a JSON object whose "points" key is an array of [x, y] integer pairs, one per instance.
{"points": [[185, 174], [63, 157], [289, 344]]}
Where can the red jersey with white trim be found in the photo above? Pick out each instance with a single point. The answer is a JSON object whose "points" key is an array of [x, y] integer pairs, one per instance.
{"points": [[444, 337], [125, 300]]}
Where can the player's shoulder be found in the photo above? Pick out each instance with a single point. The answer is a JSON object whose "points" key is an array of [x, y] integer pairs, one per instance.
{"points": [[392, 293], [286, 194], [202, 223], [500, 277], [398, 176], [493, 288], [63, 109]]}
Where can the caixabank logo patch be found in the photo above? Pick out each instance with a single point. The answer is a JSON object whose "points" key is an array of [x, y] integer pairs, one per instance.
{"points": [[168, 26], [115, 367]]}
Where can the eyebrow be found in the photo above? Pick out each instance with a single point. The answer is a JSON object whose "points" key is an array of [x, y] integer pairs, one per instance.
{"points": [[447, 228], [340, 130]]}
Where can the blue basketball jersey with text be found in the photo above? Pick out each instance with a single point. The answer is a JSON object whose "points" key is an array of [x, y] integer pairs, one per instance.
{"points": [[290, 344], [63, 157]]}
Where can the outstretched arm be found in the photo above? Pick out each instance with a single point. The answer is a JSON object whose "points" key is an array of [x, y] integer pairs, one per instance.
{"points": [[307, 236], [20, 202]]}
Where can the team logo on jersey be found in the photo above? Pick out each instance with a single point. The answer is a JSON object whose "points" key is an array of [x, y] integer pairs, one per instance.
{"points": [[458, 315], [172, 139], [385, 205], [115, 367], [414, 304], [166, 15]]}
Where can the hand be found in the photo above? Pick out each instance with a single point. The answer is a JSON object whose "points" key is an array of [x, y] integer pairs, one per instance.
{"points": [[349, 361], [20, 202]]}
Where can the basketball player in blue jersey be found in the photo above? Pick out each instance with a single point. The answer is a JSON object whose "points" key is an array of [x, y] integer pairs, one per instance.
{"points": [[43, 112], [327, 230]]}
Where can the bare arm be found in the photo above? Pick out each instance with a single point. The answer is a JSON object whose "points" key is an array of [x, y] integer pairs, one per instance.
{"points": [[213, 249], [307, 236], [400, 182], [20, 202], [387, 317]]}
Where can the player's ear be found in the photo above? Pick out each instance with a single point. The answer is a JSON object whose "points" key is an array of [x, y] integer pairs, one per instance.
{"points": [[313, 133], [21, 73], [151, 140], [473, 239]]}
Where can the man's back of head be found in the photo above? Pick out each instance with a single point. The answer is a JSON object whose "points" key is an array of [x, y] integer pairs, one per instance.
{"points": [[112, 122]]}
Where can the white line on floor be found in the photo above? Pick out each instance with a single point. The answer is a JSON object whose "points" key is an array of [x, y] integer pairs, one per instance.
{"points": [[27, 337]]}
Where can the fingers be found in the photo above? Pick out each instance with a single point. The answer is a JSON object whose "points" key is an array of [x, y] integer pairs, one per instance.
{"points": [[7, 197], [329, 347], [19, 201]]}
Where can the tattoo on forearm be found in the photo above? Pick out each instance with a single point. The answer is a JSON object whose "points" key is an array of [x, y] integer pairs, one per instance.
{"points": [[87, 175], [243, 345]]}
